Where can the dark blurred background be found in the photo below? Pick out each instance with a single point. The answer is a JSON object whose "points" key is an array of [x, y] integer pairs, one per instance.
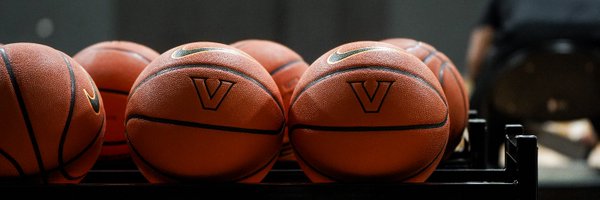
{"points": [[311, 27]]}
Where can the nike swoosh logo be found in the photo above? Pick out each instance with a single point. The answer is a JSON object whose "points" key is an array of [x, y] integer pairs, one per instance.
{"points": [[338, 56], [94, 100], [180, 53]]}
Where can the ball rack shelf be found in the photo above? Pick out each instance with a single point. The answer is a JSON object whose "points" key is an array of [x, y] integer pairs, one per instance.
{"points": [[464, 176]]}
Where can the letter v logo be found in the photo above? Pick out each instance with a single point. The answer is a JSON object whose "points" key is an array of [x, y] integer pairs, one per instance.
{"points": [[211, 91], [370, 94]]}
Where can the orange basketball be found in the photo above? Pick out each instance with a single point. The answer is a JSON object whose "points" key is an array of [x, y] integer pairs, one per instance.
{"points": [[205, 112], [52, 118], [451, 81], [285, 66], [114, 66], [368, 111]]}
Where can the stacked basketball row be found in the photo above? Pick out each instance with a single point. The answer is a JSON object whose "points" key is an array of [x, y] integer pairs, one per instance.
{"points": [[364, 111]]}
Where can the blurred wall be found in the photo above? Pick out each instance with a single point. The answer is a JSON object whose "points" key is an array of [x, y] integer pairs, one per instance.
{"points": [[67, 25], [310, 27]]}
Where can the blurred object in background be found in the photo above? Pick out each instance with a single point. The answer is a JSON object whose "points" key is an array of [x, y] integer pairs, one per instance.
{"points": [[594, 158], [535, 60], [573, 139], [578, 130]]}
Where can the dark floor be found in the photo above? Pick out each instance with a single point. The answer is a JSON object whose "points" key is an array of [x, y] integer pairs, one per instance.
{"points": [[563, 170], [573, 181]]}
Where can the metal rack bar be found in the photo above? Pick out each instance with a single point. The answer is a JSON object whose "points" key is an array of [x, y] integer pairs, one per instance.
{"points": [[518, 180]]}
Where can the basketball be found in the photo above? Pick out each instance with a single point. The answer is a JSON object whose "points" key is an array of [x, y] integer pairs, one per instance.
{"points": [[114, 66], [52, 117], [368, 112], [285, 66], [204, 112], [451, 81]]}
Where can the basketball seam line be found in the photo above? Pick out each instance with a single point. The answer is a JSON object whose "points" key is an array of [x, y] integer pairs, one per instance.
{"points": [[25, 114], [284, 66], [83, 151], [462, 92], [178, 178], [135, 54], [216, 67], [368, 128], [86, 148], [430, 56], [439, 153], [416, 45], [114, 143], [300, 157], [68, 162], [444, 65], [441, 75], [206, 126], [14, 162], [430, 52], [273, 158], [377, 68], [286, 150], [113, 91], [434, 53], [63, 136], [441, 72]]}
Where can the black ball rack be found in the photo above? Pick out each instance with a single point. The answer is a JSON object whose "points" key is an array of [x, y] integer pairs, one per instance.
{"points": [[463, 176]]}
